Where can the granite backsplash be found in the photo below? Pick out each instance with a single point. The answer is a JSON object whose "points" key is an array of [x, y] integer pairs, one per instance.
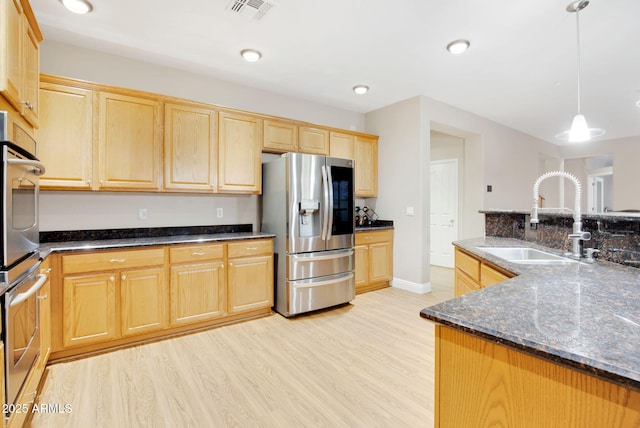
{"points": [[617, 237]]}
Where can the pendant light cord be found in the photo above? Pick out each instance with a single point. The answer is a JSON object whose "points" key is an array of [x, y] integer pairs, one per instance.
{"points": [[578, 55]]}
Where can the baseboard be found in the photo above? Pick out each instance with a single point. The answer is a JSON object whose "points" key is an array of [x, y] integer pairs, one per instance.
{"points": [[411, 286]]}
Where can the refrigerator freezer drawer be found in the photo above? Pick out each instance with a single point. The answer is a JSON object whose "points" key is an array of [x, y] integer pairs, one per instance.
{"points": [[312, 265], [319, 293]]}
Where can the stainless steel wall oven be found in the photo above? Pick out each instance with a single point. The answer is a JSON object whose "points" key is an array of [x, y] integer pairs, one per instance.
{"points": [[19, 263]]}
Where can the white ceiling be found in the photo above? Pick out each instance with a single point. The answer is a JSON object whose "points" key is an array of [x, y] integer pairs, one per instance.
{"points": [[520, 70]]}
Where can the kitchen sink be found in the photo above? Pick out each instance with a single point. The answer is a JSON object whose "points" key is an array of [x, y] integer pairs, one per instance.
{"points": [[527, 256]]}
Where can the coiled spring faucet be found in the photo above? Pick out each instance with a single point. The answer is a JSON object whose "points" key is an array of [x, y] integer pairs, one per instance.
{"points": [[577, 235]]}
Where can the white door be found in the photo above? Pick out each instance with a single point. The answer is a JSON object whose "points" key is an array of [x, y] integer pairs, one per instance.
{"points": [[444, 211], [595, 194]]}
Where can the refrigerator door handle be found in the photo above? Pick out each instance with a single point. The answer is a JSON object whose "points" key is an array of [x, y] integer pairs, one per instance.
{"points": [[330, 186], [325, 188]]}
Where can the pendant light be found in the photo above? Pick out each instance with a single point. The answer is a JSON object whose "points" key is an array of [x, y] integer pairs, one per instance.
{"points": [[579, 131]]}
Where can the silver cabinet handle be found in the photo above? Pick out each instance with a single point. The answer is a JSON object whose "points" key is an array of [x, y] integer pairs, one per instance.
{"points": [[45, 297], [21, 297], [38, 167], [117, 260], [198, 253], [112, 279], [252, 248], [124, 277]]}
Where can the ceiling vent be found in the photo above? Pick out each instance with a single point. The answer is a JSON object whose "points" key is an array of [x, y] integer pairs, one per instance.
{"points": [[255, 9]]}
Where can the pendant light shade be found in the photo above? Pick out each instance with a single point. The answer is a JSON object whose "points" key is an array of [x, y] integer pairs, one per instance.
{"points": [[579, 131]]}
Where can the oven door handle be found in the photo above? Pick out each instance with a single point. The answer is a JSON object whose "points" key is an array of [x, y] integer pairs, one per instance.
{"points": [[21, 297], [39, 167]]}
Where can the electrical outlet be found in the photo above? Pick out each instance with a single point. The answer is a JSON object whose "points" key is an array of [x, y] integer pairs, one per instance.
{"points": [[219, 212], [142, 214], [410, 211]]}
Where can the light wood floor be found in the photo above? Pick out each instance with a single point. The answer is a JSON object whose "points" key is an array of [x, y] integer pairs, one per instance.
{"points": [[367, 364]]}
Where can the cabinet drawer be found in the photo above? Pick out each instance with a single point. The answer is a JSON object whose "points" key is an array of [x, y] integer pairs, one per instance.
{"points": [[110, 260], [468, 264], [464, 285], [490, 276], [191, 253], [250, 248], [365, 238]]}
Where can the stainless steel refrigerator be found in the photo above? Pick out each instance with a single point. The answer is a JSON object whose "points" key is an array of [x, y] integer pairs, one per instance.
{"points": [[307, 201]]}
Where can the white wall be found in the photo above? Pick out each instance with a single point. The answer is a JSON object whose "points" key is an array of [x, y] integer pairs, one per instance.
{"points": [[80, 63], [87, 210], [626, 174], [107, 210], [403, 168], [494, 154]]}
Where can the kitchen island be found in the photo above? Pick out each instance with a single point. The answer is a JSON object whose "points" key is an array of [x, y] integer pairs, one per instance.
{"points": [[557, 345]]}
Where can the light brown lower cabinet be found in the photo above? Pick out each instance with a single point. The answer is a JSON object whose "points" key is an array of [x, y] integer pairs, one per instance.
{"points": [[473, 273], [373, 259], [197, 283], [106, 299], [250, 270], [482, 383]]}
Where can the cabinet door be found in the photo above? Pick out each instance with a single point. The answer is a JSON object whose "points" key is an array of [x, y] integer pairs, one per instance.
{"points": [[313, 140], [65, 137], [197, 292], [143, 300], [366, 166], [362, 265], [240, 146], [129, 142], [341, 146], [11, 20], [279, 137], [31, 75], [380, 266], [89, 308], [250, 283], [190, 148]]}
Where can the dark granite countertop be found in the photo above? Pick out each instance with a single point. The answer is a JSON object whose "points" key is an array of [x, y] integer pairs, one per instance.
{"points": [[129, 238], [608, 216], [584, 315], [375, 225]]}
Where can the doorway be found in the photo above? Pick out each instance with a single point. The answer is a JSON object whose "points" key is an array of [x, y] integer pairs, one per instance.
{"points": [[444, 211]]}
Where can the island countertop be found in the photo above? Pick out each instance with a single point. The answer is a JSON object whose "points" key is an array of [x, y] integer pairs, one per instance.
{"points": [[584, 315]]}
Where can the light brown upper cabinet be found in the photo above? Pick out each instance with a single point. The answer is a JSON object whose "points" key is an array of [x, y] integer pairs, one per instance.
{"points": [[364, 151], [239, 148], [190, 148], [65, 137], [279, 136], [313, 140], [341, 145], [129, 142], [20, 58], [366, 166]]}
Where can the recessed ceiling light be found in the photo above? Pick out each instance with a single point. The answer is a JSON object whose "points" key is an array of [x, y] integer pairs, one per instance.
{"points": [[360, 89], [78, 6], [250, 55], [458, 46]]}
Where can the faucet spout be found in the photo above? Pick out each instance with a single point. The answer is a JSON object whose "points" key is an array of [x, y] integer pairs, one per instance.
{"points": [[577, 235]]}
